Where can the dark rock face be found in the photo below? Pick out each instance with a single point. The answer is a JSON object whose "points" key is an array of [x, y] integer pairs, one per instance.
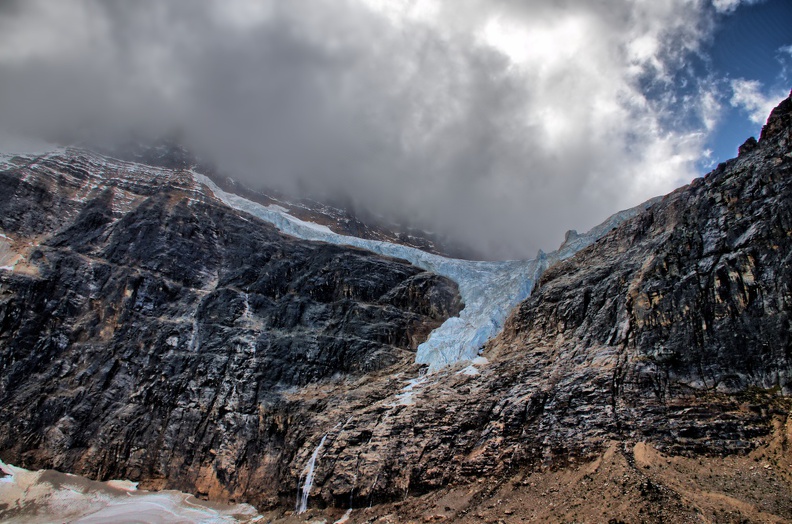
{"points": [[152, 333], [681, 316], [778, 124], [748, 146]]}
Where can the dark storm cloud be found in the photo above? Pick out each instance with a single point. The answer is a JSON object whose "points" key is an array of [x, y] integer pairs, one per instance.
{"points": [[500, 123]]}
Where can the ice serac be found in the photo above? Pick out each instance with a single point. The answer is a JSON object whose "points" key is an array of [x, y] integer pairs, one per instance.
{"points": [[489, 290]]}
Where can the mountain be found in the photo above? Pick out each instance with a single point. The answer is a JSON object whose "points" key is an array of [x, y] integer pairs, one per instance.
{"points": [[344, 218], [157, 327], [142, 321]]}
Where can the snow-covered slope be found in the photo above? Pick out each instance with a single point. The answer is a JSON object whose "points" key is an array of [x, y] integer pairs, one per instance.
{"points": [[490, 290], [46, 496]]}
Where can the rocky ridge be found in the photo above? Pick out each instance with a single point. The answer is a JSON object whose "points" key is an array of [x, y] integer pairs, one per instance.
{"points": [[343, 218]]}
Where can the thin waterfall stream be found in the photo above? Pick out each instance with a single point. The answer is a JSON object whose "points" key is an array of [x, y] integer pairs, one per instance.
{"points": [[304, 492]]}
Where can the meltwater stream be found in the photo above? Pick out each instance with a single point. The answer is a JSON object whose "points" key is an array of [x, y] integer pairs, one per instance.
{"points": [[305, 491]]}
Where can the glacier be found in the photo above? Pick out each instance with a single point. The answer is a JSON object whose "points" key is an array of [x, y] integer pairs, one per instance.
{"points": [[490, 290]]}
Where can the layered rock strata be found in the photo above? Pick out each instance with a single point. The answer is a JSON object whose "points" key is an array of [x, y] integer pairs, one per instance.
{"points": [[149, 332]]}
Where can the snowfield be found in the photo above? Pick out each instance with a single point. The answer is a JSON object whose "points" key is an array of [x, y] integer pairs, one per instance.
{"points": [[490, 290], [47, 496]]}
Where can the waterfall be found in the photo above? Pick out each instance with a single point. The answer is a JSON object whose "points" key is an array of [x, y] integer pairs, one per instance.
{"points": [[302, 494], [195, 342]]}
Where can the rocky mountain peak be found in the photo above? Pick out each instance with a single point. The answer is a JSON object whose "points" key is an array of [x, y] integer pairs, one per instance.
{"points": [[749, 145], [779, 123]]}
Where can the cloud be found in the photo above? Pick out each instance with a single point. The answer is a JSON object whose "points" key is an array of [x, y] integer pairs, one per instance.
{"points": [[499, 123], [748, 95], [729, 6]]}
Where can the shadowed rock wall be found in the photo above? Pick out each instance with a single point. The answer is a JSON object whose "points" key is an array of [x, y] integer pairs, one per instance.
{"points": [[151, 333]]}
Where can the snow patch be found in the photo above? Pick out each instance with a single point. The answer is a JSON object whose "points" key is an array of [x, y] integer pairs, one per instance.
{"points": [[407, 396], [50, 496], [473, 369], [470, 370]]}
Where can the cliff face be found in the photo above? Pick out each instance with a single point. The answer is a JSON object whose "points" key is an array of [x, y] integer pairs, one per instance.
{"points": [[149, 332], [682, 310]]}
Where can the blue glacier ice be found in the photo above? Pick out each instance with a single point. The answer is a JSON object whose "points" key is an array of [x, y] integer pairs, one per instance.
{"points": [[490, 290]]}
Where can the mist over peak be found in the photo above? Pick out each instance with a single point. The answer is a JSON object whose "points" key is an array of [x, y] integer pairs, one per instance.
{"points": [[497, 124]]}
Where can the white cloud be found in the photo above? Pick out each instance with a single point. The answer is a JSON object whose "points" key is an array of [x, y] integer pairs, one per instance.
{"points": [[729, 6], [499, 122], [749, 96]]}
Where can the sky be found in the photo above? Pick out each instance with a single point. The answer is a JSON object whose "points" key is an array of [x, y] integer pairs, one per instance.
{"points": [[497, 123], [752, 54]]}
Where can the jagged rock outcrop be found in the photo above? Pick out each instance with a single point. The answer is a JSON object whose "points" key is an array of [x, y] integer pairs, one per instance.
{"points": [[149, 332], [671, 328]]}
